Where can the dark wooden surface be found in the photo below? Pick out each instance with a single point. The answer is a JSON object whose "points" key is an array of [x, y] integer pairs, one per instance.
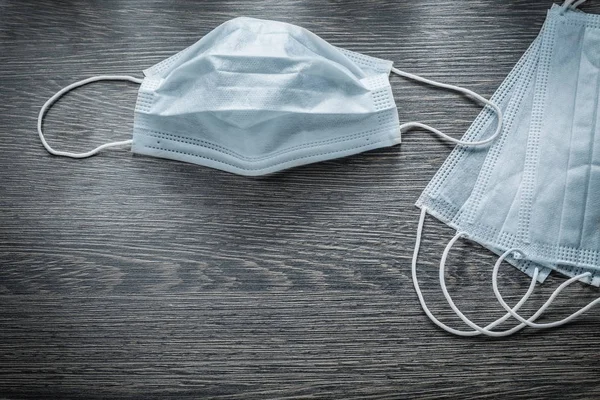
{"points": [[132, 277]]}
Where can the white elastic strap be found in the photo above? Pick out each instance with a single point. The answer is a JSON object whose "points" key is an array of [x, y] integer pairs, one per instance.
{"points": [[486, 331], [467, 92], [572, 4], [548, 302], [64, 90], [565, 6], [445, 327]]}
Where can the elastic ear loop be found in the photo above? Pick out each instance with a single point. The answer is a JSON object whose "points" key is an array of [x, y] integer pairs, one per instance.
{"points": [[66, 89], [445, 327], [566, 5], [467, 92], [548, 302], [569, 4], [512, 312]]}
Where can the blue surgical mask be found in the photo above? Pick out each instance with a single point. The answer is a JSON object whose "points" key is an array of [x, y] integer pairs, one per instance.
{"points": [[532, 196], [254, 97]]}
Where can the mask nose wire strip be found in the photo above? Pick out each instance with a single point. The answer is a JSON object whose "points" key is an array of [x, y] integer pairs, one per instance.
{"points": [[467, 92], [486, 331], [548, 302], [422, 299], [66, 89]]}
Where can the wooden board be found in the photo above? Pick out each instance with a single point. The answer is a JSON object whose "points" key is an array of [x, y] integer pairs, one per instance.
{"points": [[125, 276]]}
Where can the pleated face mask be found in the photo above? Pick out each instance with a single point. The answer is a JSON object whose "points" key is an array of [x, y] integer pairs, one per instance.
{"points": [[255, 97], [533, 196]]}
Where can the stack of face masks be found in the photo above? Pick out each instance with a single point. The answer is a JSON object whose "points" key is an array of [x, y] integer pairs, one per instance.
{"points": [[255, 97], [533, 196]]}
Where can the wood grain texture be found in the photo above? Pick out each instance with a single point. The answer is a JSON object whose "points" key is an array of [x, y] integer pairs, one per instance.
{"points": [[131, 277]]}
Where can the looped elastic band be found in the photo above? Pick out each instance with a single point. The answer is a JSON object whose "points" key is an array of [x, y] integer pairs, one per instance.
{"points": [[572, 4], [559, 289], [467, 92], [511, 312], [466, 320], [64, 90], [478, 330]]}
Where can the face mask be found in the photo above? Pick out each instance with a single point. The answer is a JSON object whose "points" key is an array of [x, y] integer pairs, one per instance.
{"points": [[255, 97], [532, 196]]}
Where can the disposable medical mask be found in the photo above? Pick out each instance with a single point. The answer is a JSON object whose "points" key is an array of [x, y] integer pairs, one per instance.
{"points": [[254, 97]]}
